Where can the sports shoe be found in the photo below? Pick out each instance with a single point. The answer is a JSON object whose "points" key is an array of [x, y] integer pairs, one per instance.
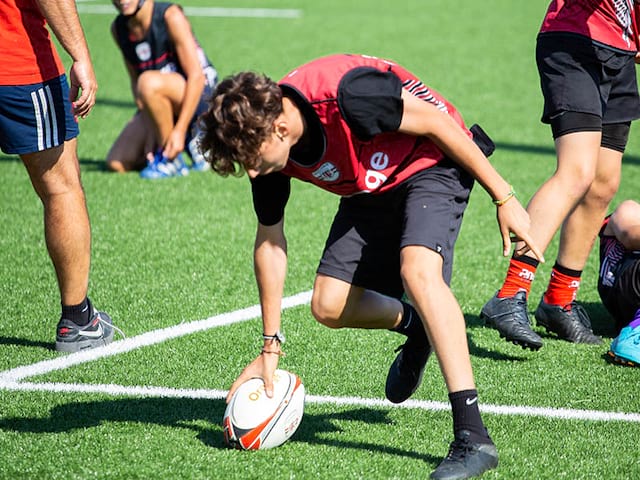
{"points": [[570, 322], [509, 316], [162, 167], [405, 373], [71, 337], [625, 348], [200, 165], [466, 459]]}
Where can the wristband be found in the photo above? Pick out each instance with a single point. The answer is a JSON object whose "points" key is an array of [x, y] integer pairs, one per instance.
{"points": [[512, 193], [278, 337]]}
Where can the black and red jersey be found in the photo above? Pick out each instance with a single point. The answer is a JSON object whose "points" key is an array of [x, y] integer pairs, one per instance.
{"points": [[611, 23], [352, 103], [156, 51]]}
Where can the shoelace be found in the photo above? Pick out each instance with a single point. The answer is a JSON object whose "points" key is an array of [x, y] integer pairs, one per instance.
{"points": [[580, 313], [111, 325], [459, 449]]}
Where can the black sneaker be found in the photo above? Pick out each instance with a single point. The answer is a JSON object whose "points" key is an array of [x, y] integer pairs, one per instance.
{"points": [[405, 373], [570, 322], [509, 316], [466, 459], [73, 338]]}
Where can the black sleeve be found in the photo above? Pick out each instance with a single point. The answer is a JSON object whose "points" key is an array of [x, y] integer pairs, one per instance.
{"points": [[370, 101], [270, 196]]}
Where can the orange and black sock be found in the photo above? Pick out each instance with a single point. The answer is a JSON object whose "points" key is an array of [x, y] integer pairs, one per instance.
{"points": [[520, 275], [563, 286]]}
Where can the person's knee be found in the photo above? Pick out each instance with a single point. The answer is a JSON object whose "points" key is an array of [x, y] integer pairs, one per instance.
{"points": [[417, 276], [325, 309], [148, 85]]}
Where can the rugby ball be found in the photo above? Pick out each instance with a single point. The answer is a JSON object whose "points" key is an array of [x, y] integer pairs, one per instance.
{"points": [[253, 421]]}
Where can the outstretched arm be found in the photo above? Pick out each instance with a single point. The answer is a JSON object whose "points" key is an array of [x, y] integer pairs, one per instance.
{"points": [[62, 17], [270, 264], [423, 119]]}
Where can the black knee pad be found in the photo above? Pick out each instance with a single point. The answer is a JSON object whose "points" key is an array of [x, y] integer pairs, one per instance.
{"points": [[615, 136]]}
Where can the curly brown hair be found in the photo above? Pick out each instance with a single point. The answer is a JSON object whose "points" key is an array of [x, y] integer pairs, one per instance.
{"points": [[239, 119]]}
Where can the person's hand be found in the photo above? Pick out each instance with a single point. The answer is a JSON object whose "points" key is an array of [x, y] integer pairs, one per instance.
{"points": [[514, 219], [174, 145], [637, 57], [262, 367], [83, 88]]}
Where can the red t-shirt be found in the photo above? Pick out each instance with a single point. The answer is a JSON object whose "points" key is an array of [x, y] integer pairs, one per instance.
{"points": [[27, 54], [609, 22]]}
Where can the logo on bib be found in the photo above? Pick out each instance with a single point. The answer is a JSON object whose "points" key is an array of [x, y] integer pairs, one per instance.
{"points": [[327, 172]]}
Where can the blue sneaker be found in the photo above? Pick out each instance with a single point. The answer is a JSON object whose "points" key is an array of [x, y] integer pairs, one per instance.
{"points": [[625, 348], [161, 167]]}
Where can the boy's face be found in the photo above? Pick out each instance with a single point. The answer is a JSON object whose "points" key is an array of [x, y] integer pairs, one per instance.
{"points": [[273, 154]]}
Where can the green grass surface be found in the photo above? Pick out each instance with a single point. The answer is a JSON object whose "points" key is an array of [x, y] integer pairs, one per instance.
{"points": [[170, 252]]}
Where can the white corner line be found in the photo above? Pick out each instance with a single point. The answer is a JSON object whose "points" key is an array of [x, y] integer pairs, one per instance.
{"points": [[427, 405], [219, 12], [145, 339]]}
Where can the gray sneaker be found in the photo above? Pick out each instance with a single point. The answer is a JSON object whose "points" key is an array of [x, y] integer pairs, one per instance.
{"points": [[509, 316], [570, 322], [73, 338], [466, 459]]}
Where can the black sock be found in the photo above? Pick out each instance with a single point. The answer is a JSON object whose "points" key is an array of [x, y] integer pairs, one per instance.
{"points": [[466, 415], [411, 324], [78, 314]]}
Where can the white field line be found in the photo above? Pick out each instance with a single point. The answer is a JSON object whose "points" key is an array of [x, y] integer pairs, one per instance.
{"points": [[207, 11], [12, 379], [164, 392], [143, 340]]}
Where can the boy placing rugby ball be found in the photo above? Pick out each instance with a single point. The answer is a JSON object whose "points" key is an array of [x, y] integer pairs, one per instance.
{"points": [[401, 158]]}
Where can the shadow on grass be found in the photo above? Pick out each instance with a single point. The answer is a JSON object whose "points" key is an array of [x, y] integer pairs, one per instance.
{"points": [[185, 413], [23, 342]]}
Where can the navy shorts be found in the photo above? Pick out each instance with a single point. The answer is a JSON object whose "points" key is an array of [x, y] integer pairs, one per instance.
{"points": [[36, 117], [368, 231], [579, 76]]}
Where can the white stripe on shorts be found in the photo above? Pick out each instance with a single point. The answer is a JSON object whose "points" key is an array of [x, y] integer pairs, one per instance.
{"points": [[45, 115]]}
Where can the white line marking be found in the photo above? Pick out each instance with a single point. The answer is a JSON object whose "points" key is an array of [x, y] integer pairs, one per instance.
{"points": [[146, 339], [165, 392], [10, 379], [208, 12]]}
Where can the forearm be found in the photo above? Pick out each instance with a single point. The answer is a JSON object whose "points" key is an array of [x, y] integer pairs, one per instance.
{"points": [[62, 17], [270, 266]]}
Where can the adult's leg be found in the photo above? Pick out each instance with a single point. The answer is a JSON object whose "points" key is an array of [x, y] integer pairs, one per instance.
{"points": [[55, 176]]}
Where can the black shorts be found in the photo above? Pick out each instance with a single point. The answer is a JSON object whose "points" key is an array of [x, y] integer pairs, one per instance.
{"points": [[622, 299], [579, 76], [368, 231]]}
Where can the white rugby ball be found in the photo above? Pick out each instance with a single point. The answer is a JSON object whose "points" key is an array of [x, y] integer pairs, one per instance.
{"points": [[253, 421]]}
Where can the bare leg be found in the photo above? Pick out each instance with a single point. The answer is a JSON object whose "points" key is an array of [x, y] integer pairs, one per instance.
{"points": [[558, 196], [55, 176], [338, 304], [440, 313], [581, 228]]}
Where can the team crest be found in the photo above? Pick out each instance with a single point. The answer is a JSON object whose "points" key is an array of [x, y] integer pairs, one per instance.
{"points": [[143, 51], [327, 172]]}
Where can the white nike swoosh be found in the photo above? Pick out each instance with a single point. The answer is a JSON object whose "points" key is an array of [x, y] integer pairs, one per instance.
{"points": [[91, 333], [471, 401]]}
